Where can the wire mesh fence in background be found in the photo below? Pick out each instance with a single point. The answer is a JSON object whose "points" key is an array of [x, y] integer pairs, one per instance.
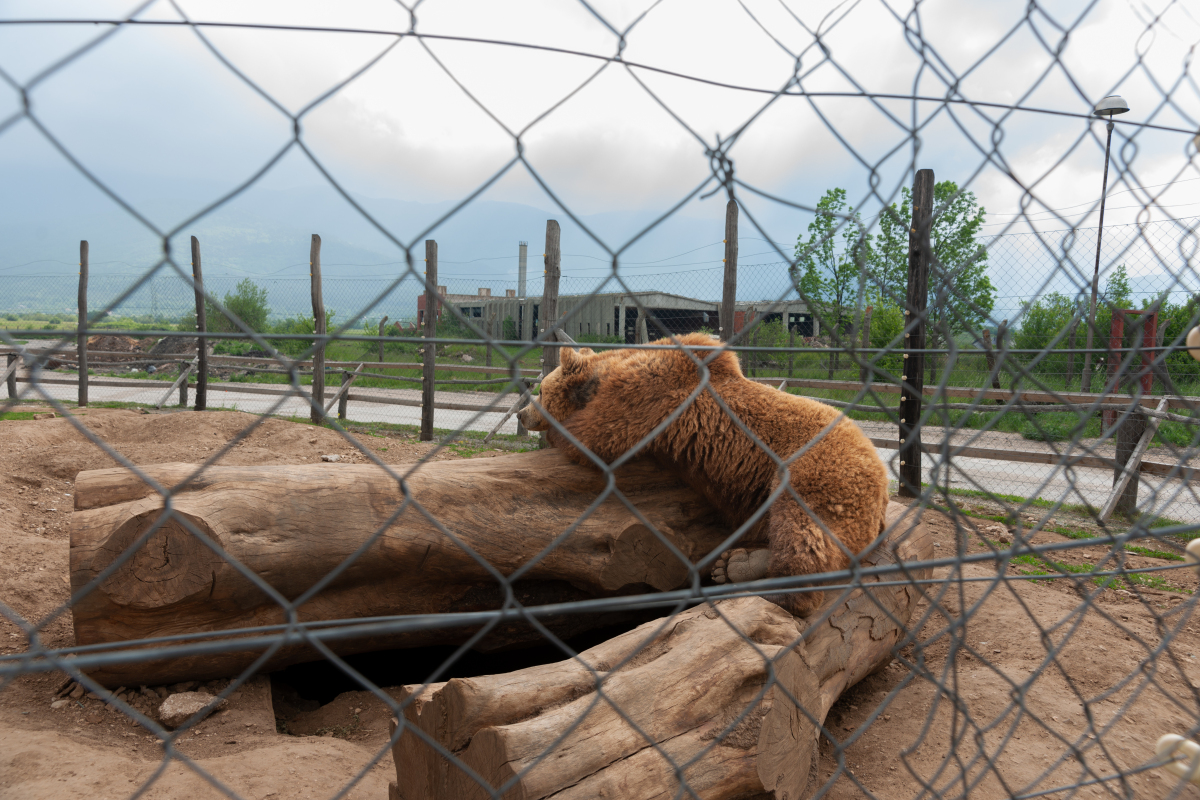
{"points": [[900, 507]]}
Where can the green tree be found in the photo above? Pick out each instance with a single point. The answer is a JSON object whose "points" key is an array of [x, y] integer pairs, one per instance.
{"points": [[828, 273], [248, 301], [961, 296]]}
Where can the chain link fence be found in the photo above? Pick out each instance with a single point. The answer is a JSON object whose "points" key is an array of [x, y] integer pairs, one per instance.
{"points": [[909, 517]]}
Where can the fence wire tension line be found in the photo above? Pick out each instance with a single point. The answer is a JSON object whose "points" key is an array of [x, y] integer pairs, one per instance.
{"points": [[795, 473]]}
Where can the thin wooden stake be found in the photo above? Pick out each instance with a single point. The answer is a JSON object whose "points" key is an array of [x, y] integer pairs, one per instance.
{"points": [[201, 328], [1131, 467], [791, 344], [348, 378], [10, 374], [81, 337], [866, 343], [317, 414], [913, 371], [183, 376], [429, 373], [382, 325]]}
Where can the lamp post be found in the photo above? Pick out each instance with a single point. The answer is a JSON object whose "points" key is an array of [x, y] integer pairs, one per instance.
{"points": [[1113, 104]]}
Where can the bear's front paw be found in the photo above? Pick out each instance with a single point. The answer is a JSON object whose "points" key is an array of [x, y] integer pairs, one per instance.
{"points": [[741, 565]]}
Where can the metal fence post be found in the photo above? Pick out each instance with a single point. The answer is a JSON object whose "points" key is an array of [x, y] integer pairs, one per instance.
{"points": [[729, 287], [201, 328], [81, 337], [317, 414], [431, 315], [913, 371]]}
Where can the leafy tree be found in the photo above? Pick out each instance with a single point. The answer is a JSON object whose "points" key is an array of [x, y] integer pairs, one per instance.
{"points": [[828, 273], [961, 296], [248, 301]]}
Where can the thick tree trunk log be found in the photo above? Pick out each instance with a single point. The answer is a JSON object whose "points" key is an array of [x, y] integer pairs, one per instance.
{"points": [[697, 686], [293, 525]]}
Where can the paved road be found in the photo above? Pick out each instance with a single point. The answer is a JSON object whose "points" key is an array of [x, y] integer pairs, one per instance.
{"points": [[1173, 499]]}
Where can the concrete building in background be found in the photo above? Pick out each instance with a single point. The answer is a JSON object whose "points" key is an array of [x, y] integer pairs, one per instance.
{"points": [[613, 314]]}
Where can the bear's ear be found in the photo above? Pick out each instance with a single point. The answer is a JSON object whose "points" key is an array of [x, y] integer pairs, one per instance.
{"points": [[573, 360]]}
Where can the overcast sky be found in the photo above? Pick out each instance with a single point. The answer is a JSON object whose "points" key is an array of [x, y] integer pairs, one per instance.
{"points": [[157, 116]]}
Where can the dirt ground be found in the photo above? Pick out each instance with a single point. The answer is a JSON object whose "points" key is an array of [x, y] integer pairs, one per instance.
{"points": [[1054, 695]]}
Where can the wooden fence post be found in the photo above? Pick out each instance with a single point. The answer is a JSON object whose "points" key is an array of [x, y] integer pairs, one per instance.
{"points": [[317, 414], [729, 288], [344, 399], [549, 310], [429, 373], [913, 371], [382, 326], [183, 393], [791, 343], [201, 328], [12, 375], [491, 334], [81, 337], [866, 343]]}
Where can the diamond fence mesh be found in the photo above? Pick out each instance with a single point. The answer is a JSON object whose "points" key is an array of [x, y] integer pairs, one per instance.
{"points": [[681, 583]]}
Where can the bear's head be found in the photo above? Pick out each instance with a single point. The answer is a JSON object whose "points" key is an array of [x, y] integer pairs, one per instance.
{"points": [[570, 387]]}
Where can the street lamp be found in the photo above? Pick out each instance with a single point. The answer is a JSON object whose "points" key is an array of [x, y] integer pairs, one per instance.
{"points": [[1113, 104]]}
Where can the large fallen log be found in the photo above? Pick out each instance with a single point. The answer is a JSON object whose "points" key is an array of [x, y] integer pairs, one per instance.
{"points": [[293, 525], [710, 690]]}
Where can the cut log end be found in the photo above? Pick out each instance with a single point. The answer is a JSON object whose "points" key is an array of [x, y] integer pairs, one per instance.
{"points": [[171, 566]]}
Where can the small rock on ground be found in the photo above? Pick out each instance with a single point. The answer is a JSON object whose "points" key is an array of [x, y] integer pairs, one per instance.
{"points": [[178, 708], [331, 458]]}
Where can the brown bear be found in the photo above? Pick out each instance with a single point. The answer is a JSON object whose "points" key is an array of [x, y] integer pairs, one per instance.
{"points": [[611, 400]]}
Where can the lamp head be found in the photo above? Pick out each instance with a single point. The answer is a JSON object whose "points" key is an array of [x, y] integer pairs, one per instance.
{"points": [[1113, 104]]}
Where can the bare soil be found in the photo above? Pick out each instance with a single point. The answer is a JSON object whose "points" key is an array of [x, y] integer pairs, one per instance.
{"points": [[1058, 680]]}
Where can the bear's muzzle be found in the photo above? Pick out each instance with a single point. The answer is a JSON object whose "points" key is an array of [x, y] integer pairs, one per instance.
{"points": [[531, 418]]}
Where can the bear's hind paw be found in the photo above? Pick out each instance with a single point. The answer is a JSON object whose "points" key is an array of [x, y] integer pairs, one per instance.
{"points": [[741, 565]]}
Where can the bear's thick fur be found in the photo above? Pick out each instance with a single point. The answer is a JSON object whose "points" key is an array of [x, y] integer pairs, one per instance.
{"points": [[611, 400]]}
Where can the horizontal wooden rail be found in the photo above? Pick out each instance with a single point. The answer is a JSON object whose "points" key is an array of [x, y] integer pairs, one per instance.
{"points": [[1078, 398], [1184, 473], [251, 389], [234, 360]]}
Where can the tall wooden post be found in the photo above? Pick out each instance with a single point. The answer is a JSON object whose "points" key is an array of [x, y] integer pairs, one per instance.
{"points": [[431, 315], [729, 289], [549, 310], [183, 393], [913, 371], [382, 327], [317, 413], [866, 343], [201, 328], [81, 336], [12, 376]]}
